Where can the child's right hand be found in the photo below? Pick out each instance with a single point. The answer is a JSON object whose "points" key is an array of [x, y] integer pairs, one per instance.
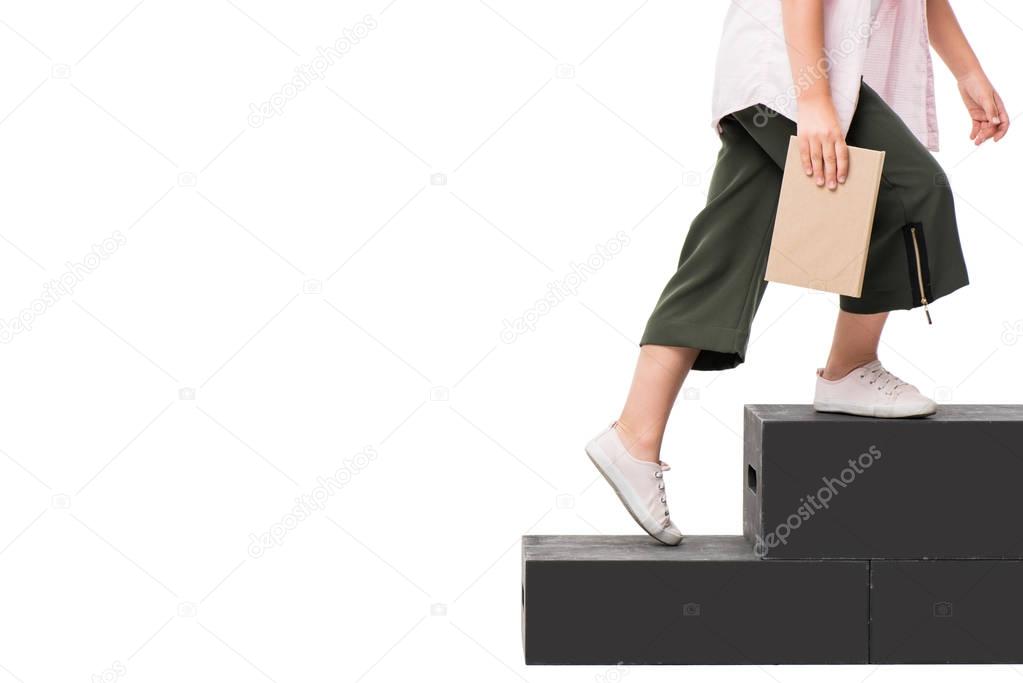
{"points": [[821, 143]]}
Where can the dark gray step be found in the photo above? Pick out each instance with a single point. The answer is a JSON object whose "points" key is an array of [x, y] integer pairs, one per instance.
{"points": [[631, 600], [946, 611], [820, 485]]}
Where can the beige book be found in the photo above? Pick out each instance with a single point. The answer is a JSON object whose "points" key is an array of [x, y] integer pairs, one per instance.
{"points": [[821, 236]]}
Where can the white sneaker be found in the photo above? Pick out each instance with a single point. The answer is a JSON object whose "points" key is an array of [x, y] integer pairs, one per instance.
{"points": [[872, 391], [638, 483]]}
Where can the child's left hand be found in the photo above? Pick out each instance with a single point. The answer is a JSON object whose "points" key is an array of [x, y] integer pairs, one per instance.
{"points": [[985, 107]]}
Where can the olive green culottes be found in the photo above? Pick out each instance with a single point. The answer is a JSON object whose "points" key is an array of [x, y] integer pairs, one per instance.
{"points": [[914, 255]]}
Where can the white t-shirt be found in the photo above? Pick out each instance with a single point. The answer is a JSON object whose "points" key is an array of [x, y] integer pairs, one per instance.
{"points": [[893, 57]]}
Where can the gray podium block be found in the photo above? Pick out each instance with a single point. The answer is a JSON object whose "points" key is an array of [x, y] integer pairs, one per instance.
{"points": [[946, 611], [820, 485], [630, 600]]}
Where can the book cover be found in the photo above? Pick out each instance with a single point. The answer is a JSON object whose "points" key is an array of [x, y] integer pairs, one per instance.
{"points": [[821, 237]]}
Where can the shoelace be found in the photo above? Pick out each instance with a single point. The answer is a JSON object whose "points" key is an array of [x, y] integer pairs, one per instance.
{"points": [[663, 467], [878, 374]]}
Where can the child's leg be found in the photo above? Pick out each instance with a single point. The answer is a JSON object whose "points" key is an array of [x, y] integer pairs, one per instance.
{"points": [[855, 343], [659, 374], [711, 299], [703, 316]]}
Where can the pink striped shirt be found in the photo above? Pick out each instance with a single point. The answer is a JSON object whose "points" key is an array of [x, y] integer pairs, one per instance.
{"points": [[892, 55]]}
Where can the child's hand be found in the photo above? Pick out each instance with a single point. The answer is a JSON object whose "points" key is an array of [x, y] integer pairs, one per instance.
{"points": [[985, 107], [821, 143]]}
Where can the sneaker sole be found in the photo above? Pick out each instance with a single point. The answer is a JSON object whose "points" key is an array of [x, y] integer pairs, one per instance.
{"points": [[603, 465], [869, 411]]}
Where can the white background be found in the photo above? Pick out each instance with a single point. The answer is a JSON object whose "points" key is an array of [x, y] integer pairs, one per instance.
{"points": [[335, 281]]}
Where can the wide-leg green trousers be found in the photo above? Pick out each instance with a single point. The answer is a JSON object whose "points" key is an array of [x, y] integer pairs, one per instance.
{"points": [[914, 255]]}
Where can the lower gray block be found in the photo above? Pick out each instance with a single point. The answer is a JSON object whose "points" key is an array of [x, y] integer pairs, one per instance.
{"points": [[631, 600], [946, 611]]}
